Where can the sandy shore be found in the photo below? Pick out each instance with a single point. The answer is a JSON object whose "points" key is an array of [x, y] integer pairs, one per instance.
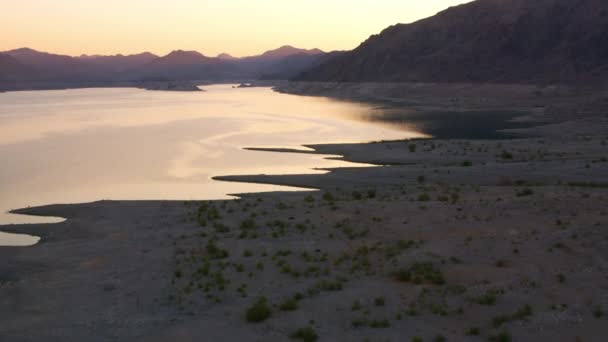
{"points": [[465, 240]]}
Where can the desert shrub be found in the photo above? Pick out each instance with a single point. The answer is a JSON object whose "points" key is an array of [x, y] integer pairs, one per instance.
{"points": [[328, 196], [306, 334], [521, 313], [259, 311], [248, 224], [216, 252], [489, 298], [424, 197], [525, 192], [289, 304], [506, 155], [501, 337], [598, 312], [420, 273], [473, 331], [439, 338]]}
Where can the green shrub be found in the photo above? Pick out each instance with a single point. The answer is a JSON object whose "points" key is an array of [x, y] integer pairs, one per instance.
{"points": [[328, 196], [521, 313], [216, 252], [473, 331], [489, 298], [371, 193], [525, 192], [420, 273], [290, 304], [259, 311], [502, 337], [248, 224], [506, 155], [307, 334], [598, 312], [439, 338], [424, 197]]}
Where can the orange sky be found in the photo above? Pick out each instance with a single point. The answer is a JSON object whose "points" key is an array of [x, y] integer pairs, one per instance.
{"points": [[239, 27]]}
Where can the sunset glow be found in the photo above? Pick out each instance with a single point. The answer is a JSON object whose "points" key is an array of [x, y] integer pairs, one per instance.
{"points": [[238, 27]]}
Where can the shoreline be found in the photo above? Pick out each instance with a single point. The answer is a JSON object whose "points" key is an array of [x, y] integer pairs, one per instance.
{"points": [[497, 225]]}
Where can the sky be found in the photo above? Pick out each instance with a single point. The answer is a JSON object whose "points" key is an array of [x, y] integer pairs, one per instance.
{"points": [[238, 27]]}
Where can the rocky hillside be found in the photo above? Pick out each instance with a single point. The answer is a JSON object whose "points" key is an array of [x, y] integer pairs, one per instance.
{"points": [[506, 41]]}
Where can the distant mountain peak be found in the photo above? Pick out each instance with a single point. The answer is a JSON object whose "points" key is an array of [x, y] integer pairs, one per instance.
{"points": [[288, 50], [226, 56], [185, 53], [184, 57], [23, 50]]}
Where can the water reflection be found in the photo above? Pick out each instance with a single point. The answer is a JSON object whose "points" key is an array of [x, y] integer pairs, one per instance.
{"points": [[83, 145]]}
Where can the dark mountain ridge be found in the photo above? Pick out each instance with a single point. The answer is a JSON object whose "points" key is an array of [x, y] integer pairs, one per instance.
{"points": [[503, 41]]}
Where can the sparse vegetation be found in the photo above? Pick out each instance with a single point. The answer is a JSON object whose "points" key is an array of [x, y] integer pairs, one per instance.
{"points": [[520, 314], [420, 273]]}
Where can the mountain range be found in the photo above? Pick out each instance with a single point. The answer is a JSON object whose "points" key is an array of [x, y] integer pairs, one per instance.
{"points": [[494, 41], [499, 41], [21, 65]]}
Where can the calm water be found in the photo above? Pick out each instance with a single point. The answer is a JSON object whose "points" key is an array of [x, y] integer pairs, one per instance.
{"points": [[83, 145]]}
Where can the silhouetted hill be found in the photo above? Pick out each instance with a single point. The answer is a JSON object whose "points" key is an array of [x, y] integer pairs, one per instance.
{"points": [[226, 56], [55, 67], [286, 61], [484, 41], [12, 70], [290, 66], [186, 65], [48, 69], [288, 50], [118, 63]]}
